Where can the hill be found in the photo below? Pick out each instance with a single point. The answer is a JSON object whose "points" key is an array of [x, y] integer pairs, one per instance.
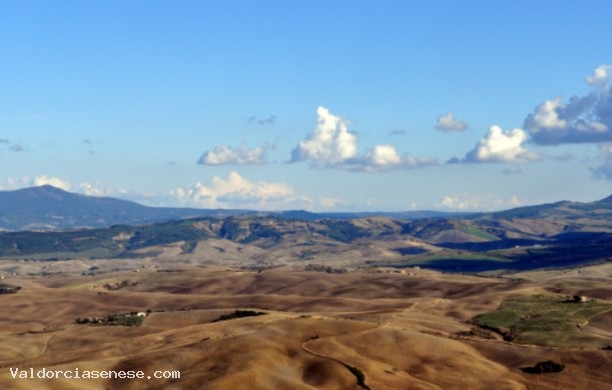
{"points": [[50, 208], [356, 330], [47, 207], [455, 245], [554, 235]]}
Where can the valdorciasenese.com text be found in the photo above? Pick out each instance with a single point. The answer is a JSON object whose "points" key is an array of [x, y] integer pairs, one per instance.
{"points": [[43, 373]]}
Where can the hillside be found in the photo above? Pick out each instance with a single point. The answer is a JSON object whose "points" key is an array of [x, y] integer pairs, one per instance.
{"points": [[355, 330], [50, 208], [47, 207], [264, 241], [553, 235]]}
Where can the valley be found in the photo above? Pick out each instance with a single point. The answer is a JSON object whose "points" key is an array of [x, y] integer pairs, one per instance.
{"points": [[399, 330]]}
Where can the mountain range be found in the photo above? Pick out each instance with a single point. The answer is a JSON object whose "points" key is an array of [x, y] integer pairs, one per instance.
{"points": [[50, 208], [551, 235]]}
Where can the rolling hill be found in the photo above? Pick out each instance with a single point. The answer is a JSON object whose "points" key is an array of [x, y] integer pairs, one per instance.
{"points": [[552, 235], [50, 208], [47, 207]]}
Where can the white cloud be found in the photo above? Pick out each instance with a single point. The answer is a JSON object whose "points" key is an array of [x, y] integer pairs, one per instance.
{"points": [[448, 122], [238, 192], [583, 119], [600, 75], [331, 203], [466, 202], [50, 180], [332, 145], [94, 189], [222, 155], [384, 155], [329, 144], [85, 188], [547, 115], [501, 146]]}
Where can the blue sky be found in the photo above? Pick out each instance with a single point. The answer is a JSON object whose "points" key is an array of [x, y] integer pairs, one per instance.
{"points": [[318, 105]]}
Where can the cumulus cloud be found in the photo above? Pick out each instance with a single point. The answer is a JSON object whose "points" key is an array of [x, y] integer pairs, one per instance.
{"points": [[467, 202], [384, 155], [225, 155], [50, 180], [236, 191], [383, 158], [448, 122], [94, 189], [332, 145], [5, 141], [600, 75], [500, 146], [582, 119], [329, 144]]}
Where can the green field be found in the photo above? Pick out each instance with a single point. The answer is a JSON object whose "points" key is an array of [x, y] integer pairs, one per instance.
{"points": [[481, 233], [545, 320]]}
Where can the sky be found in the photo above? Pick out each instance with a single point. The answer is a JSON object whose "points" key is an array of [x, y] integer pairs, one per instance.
{"points": [[316, 105]]}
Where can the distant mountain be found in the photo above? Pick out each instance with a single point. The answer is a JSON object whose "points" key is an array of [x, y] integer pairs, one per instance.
{"points": [[50, 208], [451, 244], [47, 207], [408, 215], [558, 234], [566, 210]]}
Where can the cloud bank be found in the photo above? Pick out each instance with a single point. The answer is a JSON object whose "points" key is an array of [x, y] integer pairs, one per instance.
{"points": [[236, 191], [467, 202], [448, 122], [582, 119], [332, 145], [50, 180]]}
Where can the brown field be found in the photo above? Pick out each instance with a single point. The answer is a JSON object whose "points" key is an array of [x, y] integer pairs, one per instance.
{"points": [[322, 330]]}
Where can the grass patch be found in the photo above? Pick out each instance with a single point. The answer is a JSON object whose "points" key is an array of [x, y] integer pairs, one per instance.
{"points": [[543, 320], [482, 234]]}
